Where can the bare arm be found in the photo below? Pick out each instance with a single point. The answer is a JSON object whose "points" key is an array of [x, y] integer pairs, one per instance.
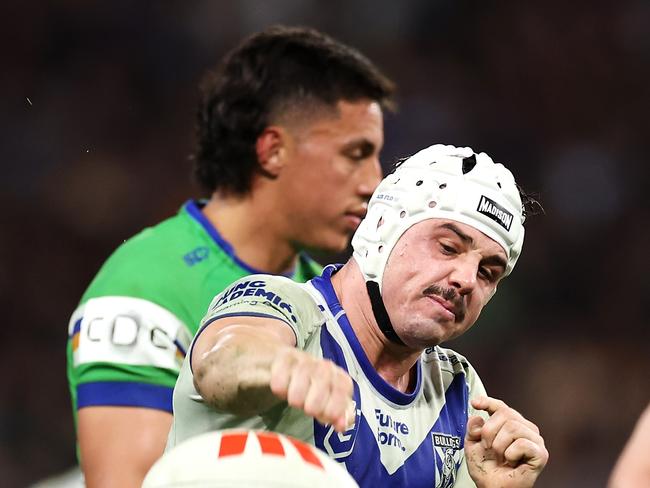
{"points": [[246, 365], [119, 444], [633, 466], [232, 359]]}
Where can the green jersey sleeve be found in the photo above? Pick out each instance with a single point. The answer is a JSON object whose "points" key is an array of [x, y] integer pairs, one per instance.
{"points": [[128, 337]]}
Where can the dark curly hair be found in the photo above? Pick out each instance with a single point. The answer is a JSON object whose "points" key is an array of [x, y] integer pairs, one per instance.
{"points": [[268, 72]]}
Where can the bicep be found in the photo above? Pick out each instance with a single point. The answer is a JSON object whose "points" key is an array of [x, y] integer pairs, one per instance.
{"points": [[118, 445], [271, 330]]}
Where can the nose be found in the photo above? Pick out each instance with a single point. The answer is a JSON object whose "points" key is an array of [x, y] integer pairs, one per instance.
{"points": [[371, 176], [463, 276]]}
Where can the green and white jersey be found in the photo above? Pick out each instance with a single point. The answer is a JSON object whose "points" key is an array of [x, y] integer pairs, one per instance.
{"points": [[398, 439], [129, 334]]}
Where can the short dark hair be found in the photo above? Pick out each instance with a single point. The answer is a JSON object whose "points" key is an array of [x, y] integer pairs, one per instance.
{"points": [[268, 72]]}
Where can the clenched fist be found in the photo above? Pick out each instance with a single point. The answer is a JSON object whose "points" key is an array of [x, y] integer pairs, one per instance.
{"points": [[317, 386]]}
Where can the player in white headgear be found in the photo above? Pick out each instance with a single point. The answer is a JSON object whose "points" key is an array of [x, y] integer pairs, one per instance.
{"points": [[444, 182], [352, 361]]}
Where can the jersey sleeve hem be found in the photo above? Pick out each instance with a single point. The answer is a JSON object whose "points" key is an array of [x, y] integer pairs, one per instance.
{"points": [[236, 314], [124, 394]]}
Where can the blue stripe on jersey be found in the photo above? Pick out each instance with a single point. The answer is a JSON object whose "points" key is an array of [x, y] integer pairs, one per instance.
{"points": [[451, 423], [124, 394], [428, 466], [363, 459], [336, 445], [331, 349], [364, 462], [193, 209], [324, 285], [180, 347], [433, 463], [76, 329], [452, 419], [358, 447]]}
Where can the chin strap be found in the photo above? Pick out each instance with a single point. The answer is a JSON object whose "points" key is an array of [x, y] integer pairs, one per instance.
{"points": [[381, 315]]}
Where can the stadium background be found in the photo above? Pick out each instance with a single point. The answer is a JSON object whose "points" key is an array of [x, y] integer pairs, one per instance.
{"points": [[97, 117]]}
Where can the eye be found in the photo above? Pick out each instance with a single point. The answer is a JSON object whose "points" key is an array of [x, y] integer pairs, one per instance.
{"points": [[447, 249], [490, 274], [355, 154], [486, 273], [359, 152]]}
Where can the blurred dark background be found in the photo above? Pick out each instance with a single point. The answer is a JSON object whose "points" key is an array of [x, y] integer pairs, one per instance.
{"points": [[97, 125]]}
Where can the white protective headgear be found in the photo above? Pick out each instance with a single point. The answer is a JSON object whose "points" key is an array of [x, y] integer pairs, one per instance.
{"points": [[444, 182]]}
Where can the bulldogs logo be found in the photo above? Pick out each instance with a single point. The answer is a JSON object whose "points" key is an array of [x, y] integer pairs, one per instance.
{"points": [[447, 449]]}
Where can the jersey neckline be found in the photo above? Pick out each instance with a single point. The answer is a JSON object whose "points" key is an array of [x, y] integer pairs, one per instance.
{"points": [[323, 284], [193, 208]]}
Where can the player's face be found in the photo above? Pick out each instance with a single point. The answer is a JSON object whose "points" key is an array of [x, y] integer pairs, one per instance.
{"points": [[438, 277], [333, 168]]}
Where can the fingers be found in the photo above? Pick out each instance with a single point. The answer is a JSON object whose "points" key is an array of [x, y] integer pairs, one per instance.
{"points": [[474, 425], [337, 411], [318, 387], [510, 434], [281, 369], [329, 395], [507, 431], [489, 404], [500, 412], [526, 451]]}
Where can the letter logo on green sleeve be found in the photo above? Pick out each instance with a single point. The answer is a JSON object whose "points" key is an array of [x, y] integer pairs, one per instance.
{"points": [[128, 330]]}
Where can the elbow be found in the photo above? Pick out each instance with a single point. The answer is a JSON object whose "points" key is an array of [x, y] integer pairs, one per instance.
{"points": [[231, 381], [215, 379]]}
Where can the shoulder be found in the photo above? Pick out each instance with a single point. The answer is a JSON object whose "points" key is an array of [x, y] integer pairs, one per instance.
{"points": [[148, 261], [455, 364], [151, 244], [270, 296], [447, 359], [263, 290]]}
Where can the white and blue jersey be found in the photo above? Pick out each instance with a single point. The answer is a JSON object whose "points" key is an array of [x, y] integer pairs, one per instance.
{"points": [[398, 439]]}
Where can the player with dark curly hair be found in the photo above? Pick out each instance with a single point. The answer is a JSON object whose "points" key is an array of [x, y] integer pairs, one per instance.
{"points": [[290, 126]]}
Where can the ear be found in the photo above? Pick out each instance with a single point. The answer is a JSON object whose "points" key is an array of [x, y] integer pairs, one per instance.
{"points": [[270, 149]]}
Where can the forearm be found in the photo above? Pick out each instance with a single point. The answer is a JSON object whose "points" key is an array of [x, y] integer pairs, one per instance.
{"points": [[633, 465], [119, 444], [234, 376]]}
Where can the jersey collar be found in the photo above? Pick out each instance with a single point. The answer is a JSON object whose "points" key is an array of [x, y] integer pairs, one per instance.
{"points": [[193, 208], [323, 284]]}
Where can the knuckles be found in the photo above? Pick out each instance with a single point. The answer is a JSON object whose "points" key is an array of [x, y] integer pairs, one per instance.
{"points": [[297, 376]]}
